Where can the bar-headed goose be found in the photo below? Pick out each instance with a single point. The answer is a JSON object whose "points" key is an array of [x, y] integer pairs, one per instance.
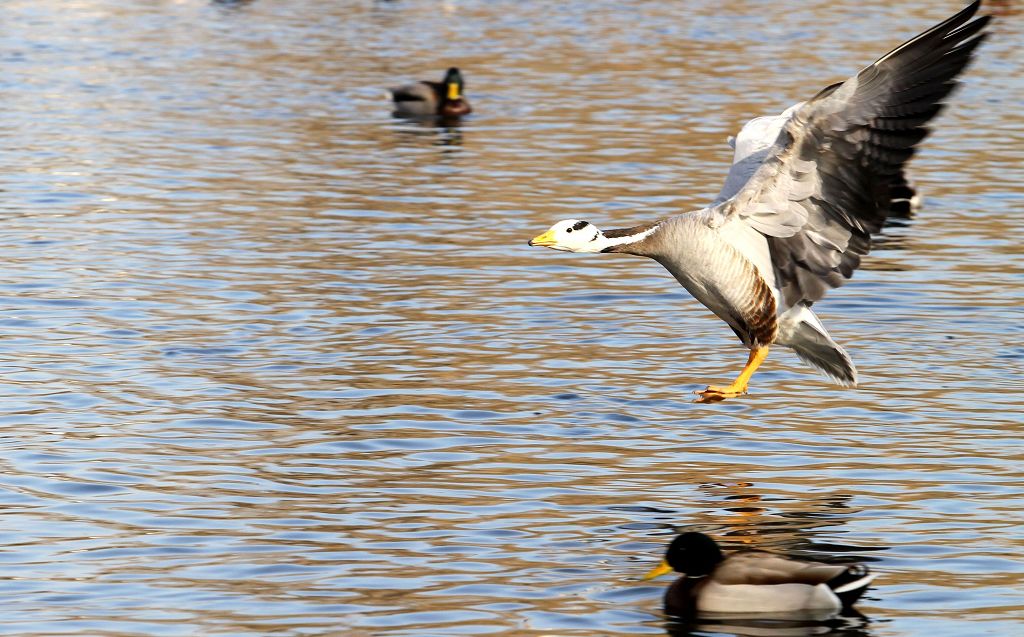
{"points": [[445, 99], [753, 581], [805, 193]]}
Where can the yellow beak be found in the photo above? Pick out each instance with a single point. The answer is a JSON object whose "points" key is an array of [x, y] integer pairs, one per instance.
{"points": [[658, 570], [545, 240], [453, 91]]}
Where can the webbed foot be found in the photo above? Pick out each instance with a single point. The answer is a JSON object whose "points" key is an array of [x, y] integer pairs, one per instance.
{"points": [[714, 393]]}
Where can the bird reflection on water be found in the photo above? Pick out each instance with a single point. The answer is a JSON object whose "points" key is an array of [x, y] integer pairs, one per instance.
{"points": [[805, 624]]}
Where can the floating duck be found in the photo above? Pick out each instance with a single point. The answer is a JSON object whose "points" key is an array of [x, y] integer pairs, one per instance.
{"points": [[445, 99], [806, 191], [753, 581]]}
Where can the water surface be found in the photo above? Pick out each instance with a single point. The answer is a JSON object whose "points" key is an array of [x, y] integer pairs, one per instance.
{"points": [[276, 363]]}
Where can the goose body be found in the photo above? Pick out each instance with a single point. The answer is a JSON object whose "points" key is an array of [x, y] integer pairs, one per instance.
{"points": [[806, 190], [445, 99], [753, 581]]}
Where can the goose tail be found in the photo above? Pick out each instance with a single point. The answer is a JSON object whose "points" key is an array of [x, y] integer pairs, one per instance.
{"points": [[801, 331]]}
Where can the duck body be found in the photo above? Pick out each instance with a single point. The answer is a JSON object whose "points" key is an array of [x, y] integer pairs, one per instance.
{"points": [[754, 581], [445, 99], [777, 598], [759, 582], [806, 191]]}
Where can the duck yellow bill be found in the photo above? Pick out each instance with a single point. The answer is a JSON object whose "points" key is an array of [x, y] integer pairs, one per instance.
{"points": [[453, 91], [658, 570], [545, 240]]}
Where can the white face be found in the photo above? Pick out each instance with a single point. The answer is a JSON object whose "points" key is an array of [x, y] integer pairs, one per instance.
{"points": [[572, 235]]}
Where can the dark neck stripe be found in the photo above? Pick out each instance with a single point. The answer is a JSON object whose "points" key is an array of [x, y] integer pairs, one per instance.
{"points": [[618, 233], [634, 246]]}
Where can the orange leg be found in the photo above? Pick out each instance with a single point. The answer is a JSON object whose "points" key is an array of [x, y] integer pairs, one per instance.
{"points": [[739, 386]]}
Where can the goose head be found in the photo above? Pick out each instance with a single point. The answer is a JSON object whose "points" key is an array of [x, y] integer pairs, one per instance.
{"points": [[571, 235]]}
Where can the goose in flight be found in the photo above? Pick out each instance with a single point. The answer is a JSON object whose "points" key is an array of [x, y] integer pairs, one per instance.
{"points": [[806, 191]]}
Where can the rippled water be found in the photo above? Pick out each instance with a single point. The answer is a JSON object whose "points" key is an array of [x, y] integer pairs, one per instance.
{"points": [[275, 363]]}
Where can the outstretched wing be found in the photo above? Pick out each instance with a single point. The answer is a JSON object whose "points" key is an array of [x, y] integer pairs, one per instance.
{"points": [[824, 188], [754, 144], [751, 147]]}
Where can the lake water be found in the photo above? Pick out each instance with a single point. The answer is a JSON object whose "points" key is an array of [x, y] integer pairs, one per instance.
{"points": [[276, 363]]}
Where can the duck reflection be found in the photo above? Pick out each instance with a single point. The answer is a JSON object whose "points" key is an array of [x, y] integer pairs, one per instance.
{"points": [[447, 140], [752, 517], [806, 624]]}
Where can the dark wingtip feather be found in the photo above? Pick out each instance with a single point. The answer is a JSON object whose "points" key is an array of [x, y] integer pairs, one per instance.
{"points": [[859, 135], [948, 27]]}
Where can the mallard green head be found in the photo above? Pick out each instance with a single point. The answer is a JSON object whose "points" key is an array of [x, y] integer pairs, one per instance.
{"points": [[453, 84], [693, 554], [452, 94]]}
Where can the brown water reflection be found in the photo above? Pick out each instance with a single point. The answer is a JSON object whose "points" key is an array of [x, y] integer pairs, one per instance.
{"points": [[277, 363]]}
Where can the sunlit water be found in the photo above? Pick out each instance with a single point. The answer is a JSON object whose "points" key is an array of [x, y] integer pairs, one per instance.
{"points": [[275, 363]]}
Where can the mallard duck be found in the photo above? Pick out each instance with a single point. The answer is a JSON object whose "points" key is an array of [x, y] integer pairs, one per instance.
{"points": [[806, 191], [753, 581], [445, 99]]}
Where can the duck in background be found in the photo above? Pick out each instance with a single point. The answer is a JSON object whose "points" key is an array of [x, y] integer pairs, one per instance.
{"points": [[445, 99], [751, 581]]}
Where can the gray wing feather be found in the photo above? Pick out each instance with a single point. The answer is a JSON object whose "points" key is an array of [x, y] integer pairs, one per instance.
{"points": [[416, 91], [751, 147], [416, 99], [759, 568], [824, 187]]}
